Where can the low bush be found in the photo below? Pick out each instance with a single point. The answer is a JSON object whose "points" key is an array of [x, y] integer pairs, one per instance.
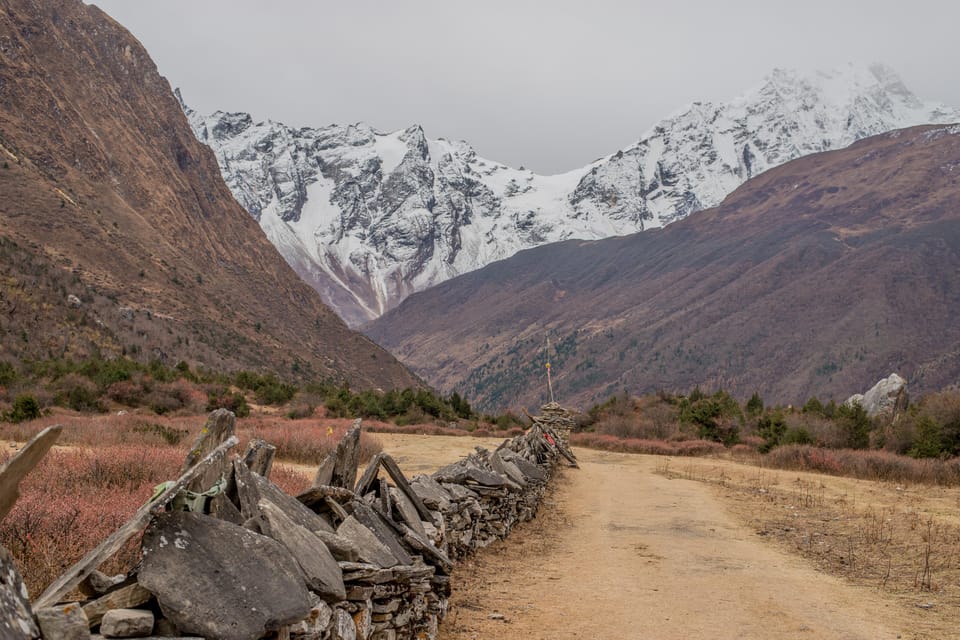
{"points": [[128, 393], [25, 407], [865, 464], [301, 410], [267, 388], [646, 418], [653, 447], [8, 374], [73, 500], [223, 398], [717, 417], [174, 396], [930, 429], [418, 428], [309, 442], [406, 407], [78, 393], [170, 435]]}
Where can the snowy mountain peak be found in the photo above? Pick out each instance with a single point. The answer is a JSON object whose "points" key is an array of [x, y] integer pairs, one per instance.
{"points": [[368, 217]]}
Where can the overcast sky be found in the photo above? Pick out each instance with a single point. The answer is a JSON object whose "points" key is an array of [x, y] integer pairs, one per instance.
{"points": [[550, 85]]}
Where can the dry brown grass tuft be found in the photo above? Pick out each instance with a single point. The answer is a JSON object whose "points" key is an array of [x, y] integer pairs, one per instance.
{"points": [[653, 447], [865, 464]]}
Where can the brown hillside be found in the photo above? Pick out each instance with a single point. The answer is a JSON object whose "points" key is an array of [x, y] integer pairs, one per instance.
{"points": [[106, 195], [817, 277]]}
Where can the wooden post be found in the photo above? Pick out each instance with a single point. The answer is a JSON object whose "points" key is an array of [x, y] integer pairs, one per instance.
{"points": [[16, 468]]}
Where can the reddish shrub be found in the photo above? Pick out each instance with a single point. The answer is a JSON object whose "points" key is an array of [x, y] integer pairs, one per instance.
{"points": [[290, 481], [73, 500], [865, 464], [652, 447], [423, 429], [127, 392], [699, 447], [308, 441]]}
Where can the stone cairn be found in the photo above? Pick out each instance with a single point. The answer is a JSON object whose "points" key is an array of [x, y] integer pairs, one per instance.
{"points": [[554, 417], [228, 555]]}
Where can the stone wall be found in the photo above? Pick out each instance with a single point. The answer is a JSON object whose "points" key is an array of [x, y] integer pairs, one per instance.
{"points": [[228, 555]]}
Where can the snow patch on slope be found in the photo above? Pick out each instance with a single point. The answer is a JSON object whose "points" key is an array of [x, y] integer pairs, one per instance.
{"points": [[370, 217]]}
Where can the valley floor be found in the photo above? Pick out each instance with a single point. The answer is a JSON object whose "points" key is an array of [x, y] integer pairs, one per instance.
{"points": [[631, 549]]}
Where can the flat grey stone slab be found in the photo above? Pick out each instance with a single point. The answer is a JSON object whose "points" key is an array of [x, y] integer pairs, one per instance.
{"points": [[219, 580]]}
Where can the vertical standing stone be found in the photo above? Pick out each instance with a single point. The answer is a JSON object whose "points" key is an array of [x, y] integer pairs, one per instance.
{"points": [[259, 457], [347, 459], [218, 428], [16, 618], [339, 469]]}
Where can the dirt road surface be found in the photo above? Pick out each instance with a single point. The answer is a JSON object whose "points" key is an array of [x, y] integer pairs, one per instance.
{"points": [[621, 551]]}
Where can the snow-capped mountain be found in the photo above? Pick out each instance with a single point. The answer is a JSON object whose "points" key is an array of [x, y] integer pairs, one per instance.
{"points": [[368, 217]]}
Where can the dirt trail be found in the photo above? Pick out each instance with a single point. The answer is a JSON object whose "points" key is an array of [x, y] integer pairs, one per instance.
{"points": [[628, 553]]}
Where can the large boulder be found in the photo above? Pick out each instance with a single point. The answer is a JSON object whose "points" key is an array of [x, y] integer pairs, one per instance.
{"points": [[218, 580], [886, 398]]}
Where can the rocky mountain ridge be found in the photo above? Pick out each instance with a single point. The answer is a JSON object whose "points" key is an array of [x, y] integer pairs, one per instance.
{"points": [[817, 277], [368, 217]]}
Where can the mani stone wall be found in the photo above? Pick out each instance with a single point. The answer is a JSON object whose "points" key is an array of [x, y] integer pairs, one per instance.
{"points": [[228, 555]]}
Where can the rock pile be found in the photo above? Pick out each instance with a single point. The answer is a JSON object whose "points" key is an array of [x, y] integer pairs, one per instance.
{"points": [[228, 555], [555, 417]]}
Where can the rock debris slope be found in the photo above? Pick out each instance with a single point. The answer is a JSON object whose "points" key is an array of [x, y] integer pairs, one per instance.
{"points": [[368, 217]]}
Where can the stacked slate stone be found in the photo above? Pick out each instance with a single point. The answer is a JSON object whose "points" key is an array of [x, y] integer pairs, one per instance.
{"points": [[481, 497], [228, 555]]}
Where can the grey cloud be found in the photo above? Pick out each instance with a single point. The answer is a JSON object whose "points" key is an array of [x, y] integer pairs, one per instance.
{"points": [[549, 85]]}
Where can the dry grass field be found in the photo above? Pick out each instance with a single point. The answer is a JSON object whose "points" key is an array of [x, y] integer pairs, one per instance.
{"points": [[901, 539]]}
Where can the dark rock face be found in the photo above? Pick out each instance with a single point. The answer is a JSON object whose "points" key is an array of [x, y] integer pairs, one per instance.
{"points": [[218, 580]]}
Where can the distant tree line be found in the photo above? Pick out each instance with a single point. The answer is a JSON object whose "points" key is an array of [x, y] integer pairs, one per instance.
{"points": [[930, 428], [99, 384]]}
